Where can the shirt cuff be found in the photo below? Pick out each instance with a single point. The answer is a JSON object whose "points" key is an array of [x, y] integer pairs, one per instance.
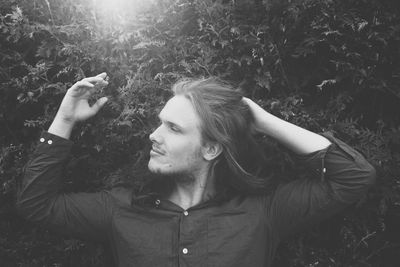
{"points": [[53, 145], [316, 160]]}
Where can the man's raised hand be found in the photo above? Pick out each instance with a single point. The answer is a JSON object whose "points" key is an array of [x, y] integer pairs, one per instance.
{"points": [[75, 105]]}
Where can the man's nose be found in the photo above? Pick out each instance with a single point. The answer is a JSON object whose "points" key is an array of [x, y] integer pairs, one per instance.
{"points": [[155, 136]]}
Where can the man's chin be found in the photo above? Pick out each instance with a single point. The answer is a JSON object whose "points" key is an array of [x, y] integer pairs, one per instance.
{"points": [[153, 169], [166, 172], [156, 169]]}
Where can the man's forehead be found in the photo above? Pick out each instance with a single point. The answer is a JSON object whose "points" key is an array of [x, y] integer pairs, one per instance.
{"points": [[179, 110]]}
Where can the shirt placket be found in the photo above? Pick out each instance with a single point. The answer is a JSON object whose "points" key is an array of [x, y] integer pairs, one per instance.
{"points": [[185, 248], [191, 246]]}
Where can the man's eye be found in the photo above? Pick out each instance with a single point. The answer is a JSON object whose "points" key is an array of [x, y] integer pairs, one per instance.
{"points": [[174, 128]]}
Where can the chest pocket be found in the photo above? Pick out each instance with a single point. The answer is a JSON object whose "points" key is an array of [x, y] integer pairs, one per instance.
{"points": [[229, 238]]}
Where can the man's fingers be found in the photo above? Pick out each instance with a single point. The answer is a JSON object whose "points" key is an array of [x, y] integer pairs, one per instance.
{"points": [[89, 83], [81, 84], [95, 80], [102, 75], [99, 104]]}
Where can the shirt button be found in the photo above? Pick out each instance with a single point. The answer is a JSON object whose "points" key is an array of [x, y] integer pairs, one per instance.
{"points": [[186, 213], [185, 251], [41, 140], [50, 142], [157, 202]]}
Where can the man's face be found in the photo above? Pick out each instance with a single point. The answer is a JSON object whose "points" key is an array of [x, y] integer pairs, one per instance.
{"points": [[177, 142]]}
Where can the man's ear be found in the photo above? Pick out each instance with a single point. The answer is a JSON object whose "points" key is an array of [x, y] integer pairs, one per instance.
{"points": [[211, 150]]}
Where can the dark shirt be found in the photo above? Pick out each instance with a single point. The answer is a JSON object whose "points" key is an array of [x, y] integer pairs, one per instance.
{"points": [[238, 231]]}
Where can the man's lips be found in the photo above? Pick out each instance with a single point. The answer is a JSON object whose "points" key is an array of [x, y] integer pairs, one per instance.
{"points": [[156, 151]]}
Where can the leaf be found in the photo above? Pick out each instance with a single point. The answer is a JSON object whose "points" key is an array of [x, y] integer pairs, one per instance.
{"points": [[325, 83]]}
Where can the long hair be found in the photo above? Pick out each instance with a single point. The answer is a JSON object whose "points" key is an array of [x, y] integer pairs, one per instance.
{"points": [[226, 119]]}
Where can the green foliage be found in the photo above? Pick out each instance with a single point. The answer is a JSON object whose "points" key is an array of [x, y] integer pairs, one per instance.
{"points": [[321, 64]]}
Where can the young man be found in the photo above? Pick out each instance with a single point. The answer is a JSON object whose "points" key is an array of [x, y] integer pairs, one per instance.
{"points": [[209, 210]]}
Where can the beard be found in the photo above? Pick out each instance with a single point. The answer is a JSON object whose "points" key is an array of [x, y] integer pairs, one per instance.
{"points": [[186, 175], [178, 177]]}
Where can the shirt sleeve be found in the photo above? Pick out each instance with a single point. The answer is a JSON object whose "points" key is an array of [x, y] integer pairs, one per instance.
{"points": [[39, 199], [340, 176]]}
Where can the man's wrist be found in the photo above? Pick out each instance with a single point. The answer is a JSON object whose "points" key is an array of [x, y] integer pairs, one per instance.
{"points": [[61, 127]]}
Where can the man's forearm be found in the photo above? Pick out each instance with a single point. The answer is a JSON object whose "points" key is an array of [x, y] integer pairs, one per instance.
{"points": [[43, 177], [297, 139]]}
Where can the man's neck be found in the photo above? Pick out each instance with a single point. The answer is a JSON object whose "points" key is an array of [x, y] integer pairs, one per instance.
{"points": [[190, 191]]}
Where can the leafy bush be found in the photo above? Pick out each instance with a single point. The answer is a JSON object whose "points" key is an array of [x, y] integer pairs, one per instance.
{"points": [[321, 64]]}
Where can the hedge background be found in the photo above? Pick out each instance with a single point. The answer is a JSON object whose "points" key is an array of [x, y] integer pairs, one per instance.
{"points": [[322, 64]]}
